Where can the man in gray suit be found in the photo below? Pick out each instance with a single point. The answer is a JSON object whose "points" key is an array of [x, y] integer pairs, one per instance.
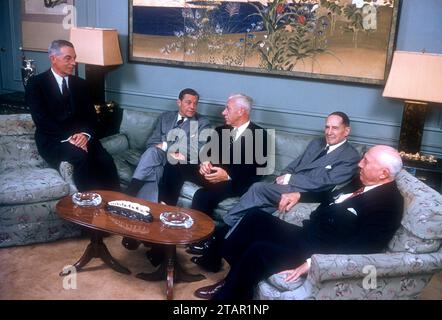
{"points": [[326, 162], [174, 138]]}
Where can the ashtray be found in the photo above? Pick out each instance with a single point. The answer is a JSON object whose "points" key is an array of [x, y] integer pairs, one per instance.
{"points": [[176, 219], [86, 199]]}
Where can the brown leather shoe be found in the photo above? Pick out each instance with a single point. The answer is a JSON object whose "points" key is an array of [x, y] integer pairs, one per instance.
{"points": [[209, 291]]}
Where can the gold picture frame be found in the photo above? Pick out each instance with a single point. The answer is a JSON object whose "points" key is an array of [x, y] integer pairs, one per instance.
{"points": [[345, 40]]}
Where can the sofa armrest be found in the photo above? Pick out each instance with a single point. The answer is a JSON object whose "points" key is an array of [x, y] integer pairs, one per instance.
{"points": [[333, 267], [66, 171], [116, 143]]}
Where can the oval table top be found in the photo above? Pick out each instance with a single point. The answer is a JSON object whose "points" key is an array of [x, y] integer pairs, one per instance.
{"points": [[99, 218]]}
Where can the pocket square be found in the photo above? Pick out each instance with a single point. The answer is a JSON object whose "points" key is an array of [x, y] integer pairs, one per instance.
{"points": [[328, 167], [352, 211]]}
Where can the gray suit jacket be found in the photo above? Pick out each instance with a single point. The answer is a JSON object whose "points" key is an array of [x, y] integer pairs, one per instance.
{"points": [[324, 173], [163, 131]]}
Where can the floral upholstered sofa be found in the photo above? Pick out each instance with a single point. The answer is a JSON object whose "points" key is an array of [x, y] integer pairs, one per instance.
{"points": [[29, 189], [413, 256]]}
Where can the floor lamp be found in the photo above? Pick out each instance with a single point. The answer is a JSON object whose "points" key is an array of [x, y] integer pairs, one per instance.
{"points": [[98, 49], [416, 79]]}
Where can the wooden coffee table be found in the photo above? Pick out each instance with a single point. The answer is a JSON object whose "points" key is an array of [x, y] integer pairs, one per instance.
{"points": [[99, 222]]}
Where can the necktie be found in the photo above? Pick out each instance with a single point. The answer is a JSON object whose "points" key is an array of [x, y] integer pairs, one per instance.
{"points": [[233, 135], [357, 192], [179, 122], [323, 152], [64, 90]]}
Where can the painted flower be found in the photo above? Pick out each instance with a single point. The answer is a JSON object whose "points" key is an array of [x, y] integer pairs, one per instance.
{"points": [[301, 19], [280, 8]]}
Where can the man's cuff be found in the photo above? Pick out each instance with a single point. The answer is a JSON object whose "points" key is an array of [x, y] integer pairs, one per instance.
{"points": [[87, 135], [287, 178], [164, 146], [309, 262]]}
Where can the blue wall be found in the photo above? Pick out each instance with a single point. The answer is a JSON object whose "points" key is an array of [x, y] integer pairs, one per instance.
{"points": [[297, 105]]}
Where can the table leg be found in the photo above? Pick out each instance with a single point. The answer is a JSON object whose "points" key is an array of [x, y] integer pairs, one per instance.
{"points": [[172, 271], [97, 249]]}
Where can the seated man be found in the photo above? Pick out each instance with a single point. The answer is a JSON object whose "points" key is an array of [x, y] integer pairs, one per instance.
{"points": [[229, 161], [65, 121], [353, 221], [149, 171], [173, 128], [224, 171], [325, 163]]}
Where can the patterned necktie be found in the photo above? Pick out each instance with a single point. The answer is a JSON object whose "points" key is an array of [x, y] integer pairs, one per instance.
{"points": [[322, 153], [233, 135]]}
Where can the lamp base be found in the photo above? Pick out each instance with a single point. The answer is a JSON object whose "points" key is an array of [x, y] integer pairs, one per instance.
{"points": [[412, 127]]}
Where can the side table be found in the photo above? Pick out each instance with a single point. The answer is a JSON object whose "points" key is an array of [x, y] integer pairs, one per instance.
{"points": [[429, 173]]}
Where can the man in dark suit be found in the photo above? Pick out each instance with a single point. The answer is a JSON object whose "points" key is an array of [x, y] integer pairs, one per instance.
{"points": [[65, 122], [228, 160], [231, 162], [355, 221], [325, 163]]}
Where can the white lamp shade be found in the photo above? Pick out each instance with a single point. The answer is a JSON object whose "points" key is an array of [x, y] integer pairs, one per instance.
{"points": [[415, 76], [96, 46]]}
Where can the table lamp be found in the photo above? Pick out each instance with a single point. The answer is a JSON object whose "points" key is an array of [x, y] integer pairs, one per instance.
{"points": [[415, 78], [99, 49]]}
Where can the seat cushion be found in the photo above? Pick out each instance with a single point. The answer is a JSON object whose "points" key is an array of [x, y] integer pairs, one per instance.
{"points": [[31, 185]]}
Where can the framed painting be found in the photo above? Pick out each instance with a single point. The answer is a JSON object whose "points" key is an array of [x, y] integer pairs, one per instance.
{"points": [[346, 40], [44, 21]]}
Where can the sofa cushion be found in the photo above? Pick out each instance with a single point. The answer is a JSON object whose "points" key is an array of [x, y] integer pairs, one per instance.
{"points": [[405, 241], [423, 207], [18, 152], [30, 185], [16, 124], [126, 162], [138, 126]]}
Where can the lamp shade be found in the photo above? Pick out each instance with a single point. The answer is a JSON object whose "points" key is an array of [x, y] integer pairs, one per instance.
{"points": [[415, 76], [96, 46]]}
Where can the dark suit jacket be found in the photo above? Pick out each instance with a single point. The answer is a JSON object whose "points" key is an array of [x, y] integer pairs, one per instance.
{"points": [[362, 224], [54, 121], [238, 159]]}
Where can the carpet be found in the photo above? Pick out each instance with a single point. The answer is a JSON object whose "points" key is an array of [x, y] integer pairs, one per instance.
{"points": [[32, 273]]}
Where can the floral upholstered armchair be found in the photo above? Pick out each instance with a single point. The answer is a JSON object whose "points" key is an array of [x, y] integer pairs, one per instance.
{"points": [[413, 256], [29, 188]]}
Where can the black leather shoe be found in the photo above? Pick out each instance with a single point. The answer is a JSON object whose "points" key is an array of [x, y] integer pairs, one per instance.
{"points": [[209, 291], [199, 248], [130, 244], [155, 255], [208, 264]]}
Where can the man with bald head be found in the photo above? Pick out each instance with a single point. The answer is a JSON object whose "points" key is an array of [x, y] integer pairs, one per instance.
{"points": [[359, 219]]}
